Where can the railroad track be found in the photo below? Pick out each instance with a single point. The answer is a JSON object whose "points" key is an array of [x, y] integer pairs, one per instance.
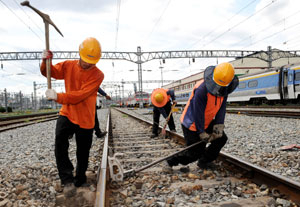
{"points": [[9, 123], [270, 113], [231, 182]]}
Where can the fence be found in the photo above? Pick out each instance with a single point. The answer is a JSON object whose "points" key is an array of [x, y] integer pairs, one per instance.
{"points": [[18, 101]]}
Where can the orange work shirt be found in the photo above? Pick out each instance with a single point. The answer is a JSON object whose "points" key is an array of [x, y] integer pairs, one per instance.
{"points": [[81, 86]]}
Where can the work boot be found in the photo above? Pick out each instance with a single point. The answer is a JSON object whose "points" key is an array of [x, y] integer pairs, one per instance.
{"points": [[100, 134], [80, 181], [204, 164], [69, 190], [153, 135], [166, 168]]}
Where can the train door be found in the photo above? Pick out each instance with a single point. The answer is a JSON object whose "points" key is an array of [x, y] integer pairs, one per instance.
{"points": [[284, 83], [291, 84]]}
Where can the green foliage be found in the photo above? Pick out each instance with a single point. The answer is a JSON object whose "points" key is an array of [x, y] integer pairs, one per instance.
{"points": [[2, 109]]}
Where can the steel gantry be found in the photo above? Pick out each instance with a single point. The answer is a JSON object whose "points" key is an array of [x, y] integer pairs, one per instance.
{"points": [[140, 57]]}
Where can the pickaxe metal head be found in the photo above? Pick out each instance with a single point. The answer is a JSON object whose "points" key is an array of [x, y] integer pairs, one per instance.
{"points": [[44, 16], [47, 21]]}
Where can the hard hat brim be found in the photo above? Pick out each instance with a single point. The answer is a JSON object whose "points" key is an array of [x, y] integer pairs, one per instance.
{"points": [[215, 89], [165, 99], [89, 61]]}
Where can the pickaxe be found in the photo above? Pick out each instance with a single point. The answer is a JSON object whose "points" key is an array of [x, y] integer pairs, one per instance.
{"points": [[47, 21]]}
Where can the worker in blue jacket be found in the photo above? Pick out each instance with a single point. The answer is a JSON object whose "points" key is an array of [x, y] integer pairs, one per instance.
{"points": [[161, 100], [97, 129], [203, 117]]}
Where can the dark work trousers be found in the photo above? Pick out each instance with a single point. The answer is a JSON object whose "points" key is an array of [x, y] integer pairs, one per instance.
{"points": [[83, 137], [97, 125], [156, 115], [208, 154]]}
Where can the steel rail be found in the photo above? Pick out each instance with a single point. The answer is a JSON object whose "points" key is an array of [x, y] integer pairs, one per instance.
{"points": [[102, 174], [281, 114], [259, 175]]}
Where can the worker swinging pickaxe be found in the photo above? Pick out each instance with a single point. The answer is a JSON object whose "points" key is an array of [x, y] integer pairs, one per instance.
{"points": [[47, 21]]}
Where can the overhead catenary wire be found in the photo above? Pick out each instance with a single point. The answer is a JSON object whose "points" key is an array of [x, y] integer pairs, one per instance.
{"points": [[30, 28], [213, 30], [266, 28], [117, 23], [274, 34], [239, 23], [18, 4], [158, 20], [21, 20]]}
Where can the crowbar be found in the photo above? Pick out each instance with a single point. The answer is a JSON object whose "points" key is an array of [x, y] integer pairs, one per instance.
{"points": [[120, 173], [163, 131], [47, 21]]}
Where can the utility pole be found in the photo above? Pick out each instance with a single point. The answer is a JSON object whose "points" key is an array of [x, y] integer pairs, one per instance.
{"points": [[21, 102], [140, 78], [34, 96], [269, 52], [122, 91], [5, 98], [161, 75]]}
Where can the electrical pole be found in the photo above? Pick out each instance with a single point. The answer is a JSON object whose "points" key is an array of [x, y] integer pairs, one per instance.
{"points": [[5, 98], [161, 75], [34, 96]]}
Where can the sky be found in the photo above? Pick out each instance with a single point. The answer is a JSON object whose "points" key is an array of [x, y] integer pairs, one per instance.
{"points": [[156, 25]]}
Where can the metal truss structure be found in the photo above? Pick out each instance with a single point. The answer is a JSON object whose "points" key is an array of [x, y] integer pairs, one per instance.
{"points": [[140, 57]]}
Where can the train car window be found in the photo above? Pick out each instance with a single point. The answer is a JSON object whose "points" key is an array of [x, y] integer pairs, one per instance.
{"points": [[252, 84], [290, 77], [297, 76], [242, 85]]}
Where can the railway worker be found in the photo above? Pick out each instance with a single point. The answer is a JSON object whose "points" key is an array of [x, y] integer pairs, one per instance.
{"points": [[97, 128], [203, 117], [82, 80], [161, 100]]}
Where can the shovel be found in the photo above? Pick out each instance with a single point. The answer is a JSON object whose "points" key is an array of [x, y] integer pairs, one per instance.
{"points": [[163, 131]]}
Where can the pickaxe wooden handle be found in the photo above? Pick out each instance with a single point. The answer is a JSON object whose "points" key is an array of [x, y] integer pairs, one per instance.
{"points": [[167, 120], [47, 21]]}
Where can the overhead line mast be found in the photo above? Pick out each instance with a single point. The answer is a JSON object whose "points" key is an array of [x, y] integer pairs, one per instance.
{"points": [[141, 57]]}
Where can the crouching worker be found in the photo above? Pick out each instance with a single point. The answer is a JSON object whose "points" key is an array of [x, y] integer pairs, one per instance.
{"points": [[161, 100], [203, 117], [77, 116]]}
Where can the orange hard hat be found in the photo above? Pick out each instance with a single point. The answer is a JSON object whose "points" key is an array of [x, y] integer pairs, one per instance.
{"points": [[159, 97]]}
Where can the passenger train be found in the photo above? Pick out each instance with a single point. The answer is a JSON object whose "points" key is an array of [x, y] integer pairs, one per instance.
{"points": [[272, 86], [137, 98]]}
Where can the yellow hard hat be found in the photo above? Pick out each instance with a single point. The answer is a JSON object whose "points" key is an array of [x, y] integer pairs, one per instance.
{"points": [[90, 50], [223, 74], [159, 97]]}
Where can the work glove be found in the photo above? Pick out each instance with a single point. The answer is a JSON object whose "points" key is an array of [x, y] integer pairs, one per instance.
{"points": [[51, 94], [205, 137], [217, 131], [47, 55]]}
